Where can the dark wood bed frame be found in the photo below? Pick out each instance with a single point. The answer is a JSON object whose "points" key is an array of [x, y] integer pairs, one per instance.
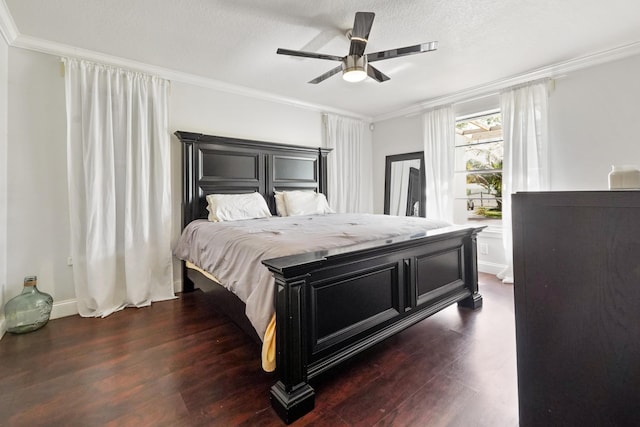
{"points": [[330, 304]]}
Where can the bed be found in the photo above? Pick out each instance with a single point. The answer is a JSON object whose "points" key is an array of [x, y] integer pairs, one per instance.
{"points": [[332, 303]]}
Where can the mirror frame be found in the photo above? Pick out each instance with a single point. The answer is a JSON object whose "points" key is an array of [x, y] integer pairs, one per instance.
{"points": [[418, 155]]}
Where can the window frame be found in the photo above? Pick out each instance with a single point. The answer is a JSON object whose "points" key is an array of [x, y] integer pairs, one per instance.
{"points": [[492, 223]]}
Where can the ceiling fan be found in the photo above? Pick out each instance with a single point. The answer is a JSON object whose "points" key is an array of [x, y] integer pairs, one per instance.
{"points": [[356, 66]]}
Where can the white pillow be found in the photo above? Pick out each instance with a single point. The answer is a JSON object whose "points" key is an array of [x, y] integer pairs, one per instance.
{"points": [[281, 207], [306, 203], [233, 207]]}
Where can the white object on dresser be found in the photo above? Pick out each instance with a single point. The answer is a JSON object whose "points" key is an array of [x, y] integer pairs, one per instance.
{"points": [[624, 177]]}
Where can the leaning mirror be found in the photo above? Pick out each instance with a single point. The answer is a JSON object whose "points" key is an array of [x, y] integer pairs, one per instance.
{"points": [[404, 192]]}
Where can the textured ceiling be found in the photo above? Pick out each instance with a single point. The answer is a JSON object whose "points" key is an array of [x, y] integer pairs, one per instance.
{"points": [[480, 41]]}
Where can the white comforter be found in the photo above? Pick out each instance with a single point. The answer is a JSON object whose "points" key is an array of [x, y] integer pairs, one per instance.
{"points": [[233, 251]]}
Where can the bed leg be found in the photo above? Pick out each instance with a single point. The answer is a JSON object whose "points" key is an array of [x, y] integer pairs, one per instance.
{"points": [[293, 404], [473, 302], [187, 284], [291, 396]]}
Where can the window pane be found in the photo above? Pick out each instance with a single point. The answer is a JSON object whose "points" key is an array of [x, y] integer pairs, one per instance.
{"points": [[485, 156], [484, 195], [479, 129]]}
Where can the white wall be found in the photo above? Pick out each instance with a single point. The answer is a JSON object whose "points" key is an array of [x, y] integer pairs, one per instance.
{"points": [[4, 83], [37, 196], [197, 109], [592, 113], [38, 218], [393, 136]]}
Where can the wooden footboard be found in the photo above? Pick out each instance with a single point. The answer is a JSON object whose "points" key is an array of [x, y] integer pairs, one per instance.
{"points": [[331, 305]]}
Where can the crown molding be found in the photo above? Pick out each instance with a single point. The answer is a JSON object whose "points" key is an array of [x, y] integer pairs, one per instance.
{"points": [[552, 71], [8, 28], [59, 49]]}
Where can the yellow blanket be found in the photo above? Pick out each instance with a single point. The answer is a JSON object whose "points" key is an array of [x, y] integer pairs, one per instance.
{"points": [[269, 339]]}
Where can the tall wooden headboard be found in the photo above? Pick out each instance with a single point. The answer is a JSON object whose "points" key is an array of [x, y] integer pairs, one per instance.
{"points": [[216, 164]]}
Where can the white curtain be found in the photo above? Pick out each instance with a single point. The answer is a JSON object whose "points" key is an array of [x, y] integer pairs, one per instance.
{"points": [[526, 162], [439, 146], [349, 165], [119, 187]]}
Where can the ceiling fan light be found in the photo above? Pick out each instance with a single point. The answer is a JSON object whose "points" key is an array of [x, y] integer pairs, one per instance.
{"points": [[354, 75], [354, 68]]}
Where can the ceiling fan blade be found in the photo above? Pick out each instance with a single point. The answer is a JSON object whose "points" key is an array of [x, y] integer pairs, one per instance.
{"points": [[326, 75], [376, 74], [308, 54], [402, 51], [360, 33]]}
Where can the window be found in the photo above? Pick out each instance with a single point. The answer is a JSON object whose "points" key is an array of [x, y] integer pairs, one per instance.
{"points": [[478, 168]]}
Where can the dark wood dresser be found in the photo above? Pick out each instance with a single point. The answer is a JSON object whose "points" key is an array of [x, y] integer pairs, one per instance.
{"points": [[577, 307]]}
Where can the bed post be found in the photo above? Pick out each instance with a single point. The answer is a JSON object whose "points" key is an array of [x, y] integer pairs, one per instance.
{"points": [[471, 271], [188, 201], [322, 171], [291, 397], [187, 191]]}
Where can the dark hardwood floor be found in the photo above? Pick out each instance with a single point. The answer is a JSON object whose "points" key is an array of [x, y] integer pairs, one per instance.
{"points": [[178, 363]]}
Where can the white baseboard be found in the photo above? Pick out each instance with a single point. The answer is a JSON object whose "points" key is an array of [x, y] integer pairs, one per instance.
{"points": [[68, 307], [490, 267], [60, 309]]}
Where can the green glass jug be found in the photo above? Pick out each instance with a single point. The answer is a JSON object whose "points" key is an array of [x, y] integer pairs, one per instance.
{"points": [[28, 311]]}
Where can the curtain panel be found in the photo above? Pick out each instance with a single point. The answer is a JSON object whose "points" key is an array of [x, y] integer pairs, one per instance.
{"points": [[526, 156], [439, 148], [349, 171], [118, 164]]}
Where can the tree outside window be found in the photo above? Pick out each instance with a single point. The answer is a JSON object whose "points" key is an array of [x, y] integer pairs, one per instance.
{"points": [[479, 156]]}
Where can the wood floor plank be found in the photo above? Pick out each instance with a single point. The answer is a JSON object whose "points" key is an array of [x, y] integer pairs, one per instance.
{"points": [[411, 371], [181, 363], [444, 402]]}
